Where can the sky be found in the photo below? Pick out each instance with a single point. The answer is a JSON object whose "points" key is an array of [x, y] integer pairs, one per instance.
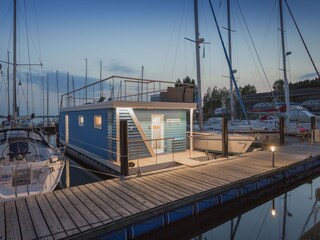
{"points": [[126, 35]]}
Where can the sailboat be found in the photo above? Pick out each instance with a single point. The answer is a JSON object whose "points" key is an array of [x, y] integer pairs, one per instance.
{"points": [[28, 164], [212, 140]]}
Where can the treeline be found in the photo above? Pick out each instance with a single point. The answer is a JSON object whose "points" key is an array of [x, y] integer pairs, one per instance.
{"points": [[220, 97], [279, 84]]}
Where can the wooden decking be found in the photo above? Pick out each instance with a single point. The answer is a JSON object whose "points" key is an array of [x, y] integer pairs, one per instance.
{"points": [[90, 210]]}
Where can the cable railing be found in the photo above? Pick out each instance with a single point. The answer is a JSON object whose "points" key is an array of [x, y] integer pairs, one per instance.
{"points": [[120, 88]]}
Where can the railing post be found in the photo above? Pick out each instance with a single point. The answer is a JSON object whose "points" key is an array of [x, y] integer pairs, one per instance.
{"points": [[67, 173], [156, 151], [281, 119], [224, 137], [313, 127], [124, 148], [173, 149]]}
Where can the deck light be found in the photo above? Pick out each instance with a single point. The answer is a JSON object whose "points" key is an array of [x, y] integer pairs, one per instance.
{"points": [[273, 210], [272, 148]]}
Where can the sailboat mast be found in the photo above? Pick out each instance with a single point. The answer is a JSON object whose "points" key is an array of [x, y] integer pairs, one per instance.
{"points": [[8, 81], [230, 59], [199, 95], [14, 59], [286, 84]]}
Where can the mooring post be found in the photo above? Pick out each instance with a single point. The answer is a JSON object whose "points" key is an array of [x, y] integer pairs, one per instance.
{"points": [[281, 119], [124, 148], [313, 128], [67, 173], [224, 137], [58, 144]]}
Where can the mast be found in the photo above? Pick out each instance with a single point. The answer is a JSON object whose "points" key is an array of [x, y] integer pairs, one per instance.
{"points": [[47, 97], [86, 80], [286, 84], [14, 59], [230, 59], [8, 81], [197, 41]]}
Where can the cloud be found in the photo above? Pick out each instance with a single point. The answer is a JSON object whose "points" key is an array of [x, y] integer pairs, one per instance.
{"points": [[308, 76], [119, 68]]}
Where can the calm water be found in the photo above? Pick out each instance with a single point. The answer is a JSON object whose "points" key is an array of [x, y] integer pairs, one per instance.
{"points": [[297, 210]]}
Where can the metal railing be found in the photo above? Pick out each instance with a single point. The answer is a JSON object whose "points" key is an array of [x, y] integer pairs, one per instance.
{"points": [[117, 88]]}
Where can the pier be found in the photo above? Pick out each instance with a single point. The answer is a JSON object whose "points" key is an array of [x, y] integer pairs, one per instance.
{"points": [[129, 207]]}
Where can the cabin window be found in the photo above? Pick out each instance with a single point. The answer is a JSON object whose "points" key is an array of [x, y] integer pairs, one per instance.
{"points": [[97, 121], [81, 120]]}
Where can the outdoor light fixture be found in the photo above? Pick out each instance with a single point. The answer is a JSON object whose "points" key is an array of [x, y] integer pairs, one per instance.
{"points": [[273, 210], [272, 148]]}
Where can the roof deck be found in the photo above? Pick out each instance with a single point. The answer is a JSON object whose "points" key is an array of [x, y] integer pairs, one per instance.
{"points": [[128, 89]]}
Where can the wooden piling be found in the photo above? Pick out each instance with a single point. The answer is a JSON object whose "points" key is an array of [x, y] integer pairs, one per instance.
{"points": [[67, 173], [281, 130], [225, 137], [124, 147]]}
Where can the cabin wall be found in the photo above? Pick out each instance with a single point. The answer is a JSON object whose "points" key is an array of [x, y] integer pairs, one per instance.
{"points": [[88, 137], [175, 123], [102, 142]]}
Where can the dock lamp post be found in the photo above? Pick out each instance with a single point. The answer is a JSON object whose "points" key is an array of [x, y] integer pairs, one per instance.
{"points": [[272, 148], [273, 210]]}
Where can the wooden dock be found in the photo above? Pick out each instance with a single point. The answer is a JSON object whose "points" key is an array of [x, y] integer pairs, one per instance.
{"points": [[117, 208]]}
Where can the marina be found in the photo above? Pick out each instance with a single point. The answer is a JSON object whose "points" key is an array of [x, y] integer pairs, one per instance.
{"points": [[130, 207], [144, 155]]}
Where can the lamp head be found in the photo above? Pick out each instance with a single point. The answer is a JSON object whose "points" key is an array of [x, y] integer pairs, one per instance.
{"points": [[272, 148]]}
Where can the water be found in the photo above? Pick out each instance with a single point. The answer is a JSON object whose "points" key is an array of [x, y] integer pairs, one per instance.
{"points": [[295, 204]]}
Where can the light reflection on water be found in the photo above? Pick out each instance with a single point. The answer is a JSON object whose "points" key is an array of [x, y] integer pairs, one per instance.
{"points": [[296, 207], [296, 212]]}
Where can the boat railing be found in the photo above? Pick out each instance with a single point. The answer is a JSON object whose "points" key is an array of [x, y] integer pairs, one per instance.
{"points": [[116, 88]]}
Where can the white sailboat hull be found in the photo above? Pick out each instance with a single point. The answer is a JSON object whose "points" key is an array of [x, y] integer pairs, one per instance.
{"points": [[213, 142]]}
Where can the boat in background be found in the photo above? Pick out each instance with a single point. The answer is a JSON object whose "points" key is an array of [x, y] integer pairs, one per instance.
{"points": [[28, 164]]}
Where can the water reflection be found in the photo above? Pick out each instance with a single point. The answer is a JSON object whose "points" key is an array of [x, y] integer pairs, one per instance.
{"points": [[284, 211]]}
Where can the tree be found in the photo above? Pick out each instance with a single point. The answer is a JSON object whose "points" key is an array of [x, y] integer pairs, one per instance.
{"points": [[278, 85], [247, 90], [213, 99], [186, 81]]}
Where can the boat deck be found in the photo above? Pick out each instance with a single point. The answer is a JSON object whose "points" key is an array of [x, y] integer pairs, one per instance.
{"points": [[112, 206]]}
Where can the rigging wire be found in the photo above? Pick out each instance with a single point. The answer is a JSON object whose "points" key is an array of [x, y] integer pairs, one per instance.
{"points": [[302, 39], [226, 56], [255, 49]]}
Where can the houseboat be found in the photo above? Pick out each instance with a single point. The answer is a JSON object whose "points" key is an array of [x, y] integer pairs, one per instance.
{"points": [[89, 125]]}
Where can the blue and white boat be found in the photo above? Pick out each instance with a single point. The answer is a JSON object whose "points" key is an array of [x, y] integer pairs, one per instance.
{"points": [[157, 117]]}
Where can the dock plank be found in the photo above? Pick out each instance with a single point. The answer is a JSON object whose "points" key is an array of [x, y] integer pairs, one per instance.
{"points": [[173, 193], [156, 199], [12, 226], [86, 189], [26, 227], [124, 197], [37, 218], [99, 213], [125, 205], [2, 222], [157, 192], [50, 217], [187, 182], [174, 185], [98, 189], [64, 218], [84, 211], [76, 217]]}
